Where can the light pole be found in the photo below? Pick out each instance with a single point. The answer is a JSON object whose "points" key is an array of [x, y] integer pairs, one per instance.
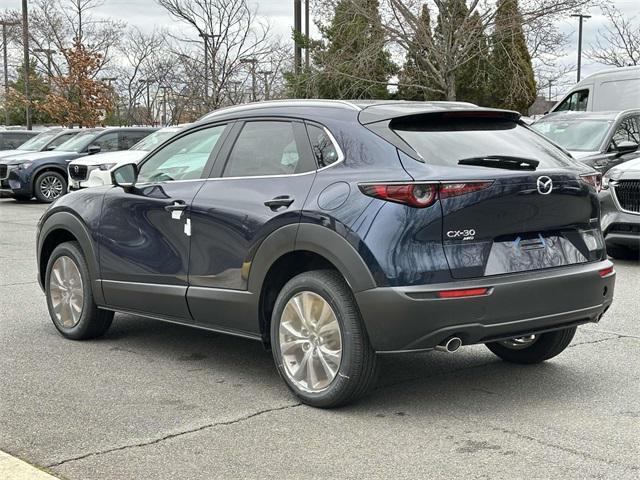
{"points": [[297, 31], [206, 37], [5, 24], [581, 19], [266, 74], [148, 82], [48, 52], [25, 44], [164, 89], [109, 81], [253, 61], [306, 32]]}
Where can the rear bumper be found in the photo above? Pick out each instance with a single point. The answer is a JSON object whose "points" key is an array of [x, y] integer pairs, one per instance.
{"points": [[414, 318]]}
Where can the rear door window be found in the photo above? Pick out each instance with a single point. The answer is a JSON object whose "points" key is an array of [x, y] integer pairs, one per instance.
{"points": [[267, 148], [447, 141], [107, 142], [14, 140], [129, 139]]}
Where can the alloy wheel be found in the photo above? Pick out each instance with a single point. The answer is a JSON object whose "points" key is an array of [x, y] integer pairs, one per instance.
{"points": [[310, 342], [51, 187], [66, 292]]}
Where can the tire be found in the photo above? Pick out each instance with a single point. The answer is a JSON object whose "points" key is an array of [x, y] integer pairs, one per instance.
{"points": [[21, 198], [67, 267], [49, 186], [546, 346], [354, 373]]}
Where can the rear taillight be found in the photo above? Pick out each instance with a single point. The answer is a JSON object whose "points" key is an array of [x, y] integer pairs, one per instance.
{"points": [[421, 195], [418, 195], [456, 189], [593, 179]]}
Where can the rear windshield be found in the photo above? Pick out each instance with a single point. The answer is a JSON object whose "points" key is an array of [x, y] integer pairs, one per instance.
{"points": [[446, 141]]}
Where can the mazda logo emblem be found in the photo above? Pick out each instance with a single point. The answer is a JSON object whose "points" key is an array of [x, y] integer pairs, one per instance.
{"points": [[545, 185], [76, 168]]}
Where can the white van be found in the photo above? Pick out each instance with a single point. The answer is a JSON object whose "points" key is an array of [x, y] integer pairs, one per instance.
{"points": [[609, 90]]}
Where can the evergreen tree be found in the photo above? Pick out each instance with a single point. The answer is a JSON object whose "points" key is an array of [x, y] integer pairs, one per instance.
{"points": [[472, 78], [16, 100], [415, 73], [512, 81], [353, 61]]}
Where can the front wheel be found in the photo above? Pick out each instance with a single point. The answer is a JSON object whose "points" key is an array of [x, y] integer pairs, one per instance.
{"points": [[319, 343], [533, 348], [69, 296], [49, 186]]}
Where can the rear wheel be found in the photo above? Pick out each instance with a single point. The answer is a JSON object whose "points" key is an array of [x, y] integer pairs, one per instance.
{"points": [[69, 296], [319, 343], [533, 348], [49, 186]]}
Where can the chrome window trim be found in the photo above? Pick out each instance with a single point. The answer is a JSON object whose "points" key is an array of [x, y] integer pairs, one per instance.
{"points": [[612, 187], [341, 158]]}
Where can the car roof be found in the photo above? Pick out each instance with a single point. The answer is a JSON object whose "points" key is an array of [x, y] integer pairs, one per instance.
{"points": [[30, 132], [368, 111], [576, 116], [613, 71]]}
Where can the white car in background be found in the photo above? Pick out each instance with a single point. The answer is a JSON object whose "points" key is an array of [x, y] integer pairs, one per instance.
{"points": [[95, 170]]}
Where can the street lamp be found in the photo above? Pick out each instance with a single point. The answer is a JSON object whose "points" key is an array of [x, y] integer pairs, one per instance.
{"points": [[266, 74], [253, 61], [206, 37], [581, 18], [25, 46], [147, 82], [48, 52], [109, 81], [5, 24], [164, 89]]}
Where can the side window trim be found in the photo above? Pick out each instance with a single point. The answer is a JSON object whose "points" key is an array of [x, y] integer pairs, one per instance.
{"points": [[229, 125], [332, 139]]}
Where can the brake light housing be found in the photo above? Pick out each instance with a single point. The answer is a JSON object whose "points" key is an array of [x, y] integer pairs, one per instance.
{"points": [[421, 194]]}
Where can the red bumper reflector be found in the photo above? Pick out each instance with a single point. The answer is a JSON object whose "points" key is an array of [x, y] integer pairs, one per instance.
{"points": [[605, 272], [469, 292]]}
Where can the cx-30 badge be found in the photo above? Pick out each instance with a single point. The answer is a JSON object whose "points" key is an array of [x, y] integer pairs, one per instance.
{"points": [[545, 185]]}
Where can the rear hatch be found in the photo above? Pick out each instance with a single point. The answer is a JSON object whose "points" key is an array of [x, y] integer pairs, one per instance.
{"points": [[536, 208]]}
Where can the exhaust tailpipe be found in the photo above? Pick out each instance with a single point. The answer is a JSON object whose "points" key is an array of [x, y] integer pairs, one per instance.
{"points": [[450, 345]]}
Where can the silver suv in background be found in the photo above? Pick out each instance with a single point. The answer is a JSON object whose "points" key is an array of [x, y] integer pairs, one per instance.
{"points": [[620, 200]]}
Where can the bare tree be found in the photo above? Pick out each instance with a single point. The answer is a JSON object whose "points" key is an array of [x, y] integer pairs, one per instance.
{"points": [[55, 25], [619, 44], [231, 32]]}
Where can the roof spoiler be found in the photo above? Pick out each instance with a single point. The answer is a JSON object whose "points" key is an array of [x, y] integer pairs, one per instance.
{"points": [[373, 115]]}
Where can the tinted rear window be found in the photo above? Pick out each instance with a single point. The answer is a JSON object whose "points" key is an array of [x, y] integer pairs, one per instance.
{"points": [[446, 141]]}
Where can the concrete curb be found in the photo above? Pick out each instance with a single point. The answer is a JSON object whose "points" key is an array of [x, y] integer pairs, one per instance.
{"points": [[12, 468]]}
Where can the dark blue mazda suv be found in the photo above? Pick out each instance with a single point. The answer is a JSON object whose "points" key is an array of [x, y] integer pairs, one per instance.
{"points": [[336, 231]]}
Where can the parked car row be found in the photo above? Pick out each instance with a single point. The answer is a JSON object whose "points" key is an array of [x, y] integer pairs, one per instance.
{"points": [[334, 231], [44, 174]]}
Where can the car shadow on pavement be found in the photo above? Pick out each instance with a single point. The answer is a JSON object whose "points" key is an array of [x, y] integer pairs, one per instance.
{"points": [[406, 382]]}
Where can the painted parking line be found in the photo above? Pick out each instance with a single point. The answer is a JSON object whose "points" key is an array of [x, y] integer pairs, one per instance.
{"points": [[12, 468]]}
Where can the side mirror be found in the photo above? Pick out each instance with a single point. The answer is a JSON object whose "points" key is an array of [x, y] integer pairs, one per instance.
{"points": [[48, 149], [93, 149], [625, 147], [125, 176]]}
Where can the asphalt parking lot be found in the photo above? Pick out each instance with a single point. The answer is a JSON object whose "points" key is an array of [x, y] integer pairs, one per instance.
{"points": [[158, 401]]}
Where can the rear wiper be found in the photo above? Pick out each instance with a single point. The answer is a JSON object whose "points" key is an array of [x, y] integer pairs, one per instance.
{"points": [[501, 161]]}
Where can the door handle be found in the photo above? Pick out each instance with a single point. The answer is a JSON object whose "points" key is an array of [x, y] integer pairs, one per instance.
{"points": [[176, 206], [279, 201]]}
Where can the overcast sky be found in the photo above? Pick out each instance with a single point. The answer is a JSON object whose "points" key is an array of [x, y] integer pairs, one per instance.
{"points": [[147, 14]]}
